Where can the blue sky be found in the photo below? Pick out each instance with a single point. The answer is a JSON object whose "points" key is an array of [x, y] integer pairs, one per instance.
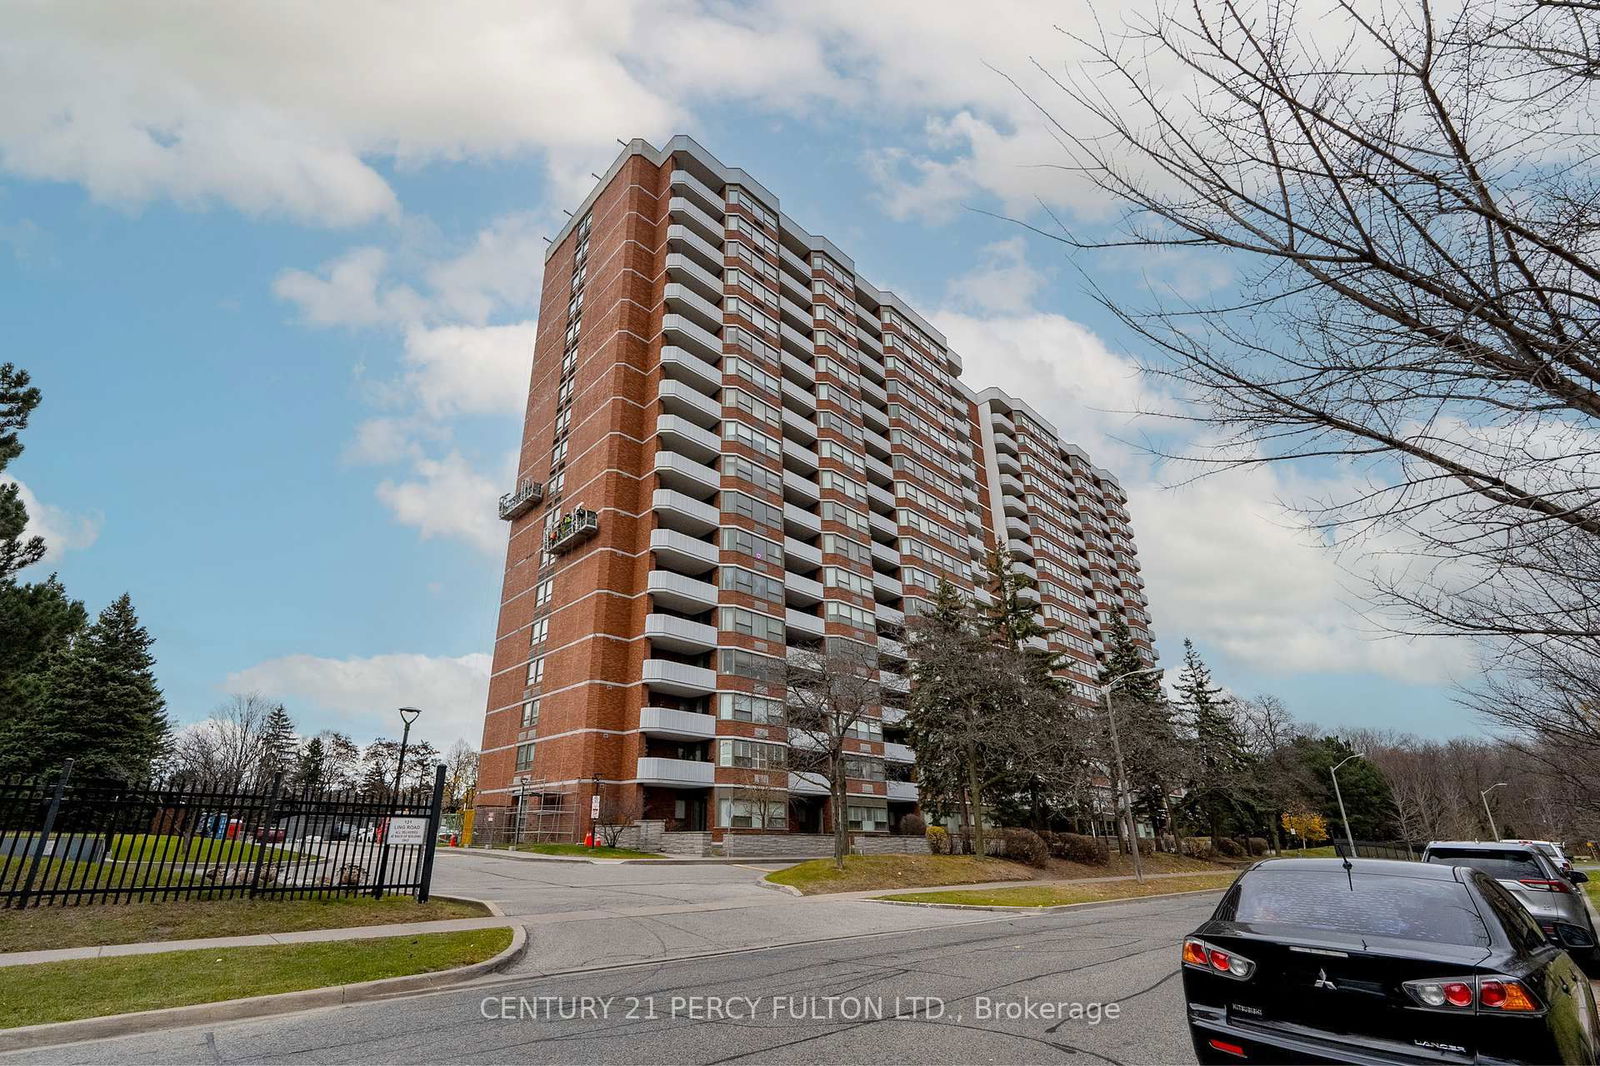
{"points": [[275, 283]]}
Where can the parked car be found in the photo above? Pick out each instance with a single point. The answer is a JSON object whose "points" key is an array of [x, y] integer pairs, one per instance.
{"points": [[1550, 850], [269, 834], [1551, 896], [1378, 961]]}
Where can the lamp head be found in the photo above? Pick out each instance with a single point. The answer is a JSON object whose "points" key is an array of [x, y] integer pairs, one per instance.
{"points": [[409, 714]]}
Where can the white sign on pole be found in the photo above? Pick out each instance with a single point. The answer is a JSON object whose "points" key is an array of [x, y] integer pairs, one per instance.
{"points": [[594, 806], [408, 830]]}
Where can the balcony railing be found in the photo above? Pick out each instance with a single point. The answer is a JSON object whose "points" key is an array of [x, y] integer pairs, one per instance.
{"points": [[515, 504], [571, 529]]}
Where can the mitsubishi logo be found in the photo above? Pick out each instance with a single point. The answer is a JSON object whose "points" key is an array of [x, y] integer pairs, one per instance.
{"points": [[1323, 982]]}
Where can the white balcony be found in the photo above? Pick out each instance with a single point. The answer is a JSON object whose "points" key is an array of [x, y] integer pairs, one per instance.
{"points": [[799, 427], [1017, 527], [802, 490], [800, 371], [679, 634], [689, 555], [687, 402], [676, 773], [682, 435], [801, 521], [883, 528], [679, 679], [679, 725], [681, 208], [696, 368], [797, 397], [1020, 547], [1005, 442], [1012, 485], [684, 238], [897, 753], [683, 474], [688, 301], [1001, 421], [681, 593], [684, 332], [886, 585], [686, 514], [873, 415], [1008, 464], [885, 556], [893, 682], [683, 181], [806, 784], [890, 616], [802, 590], [1014, 505], [890, 646], [801, 622], [686, 271], [893, 715], [799, 456], [902, 791]]}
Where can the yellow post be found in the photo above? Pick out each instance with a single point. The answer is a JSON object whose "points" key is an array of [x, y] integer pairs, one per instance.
{"points": [[466, 826]]}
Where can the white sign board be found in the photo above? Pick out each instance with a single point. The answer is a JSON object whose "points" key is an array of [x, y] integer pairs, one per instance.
{"points": [[408, 830], [594, 806]]}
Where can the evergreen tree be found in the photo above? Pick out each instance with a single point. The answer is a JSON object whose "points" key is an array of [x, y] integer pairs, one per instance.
{"points": [[17, 401], [279, 746], [1152, 752], [38, 622], [310, 765], [102, 707], [378, 768], [1367, 796], [1217, 788]]}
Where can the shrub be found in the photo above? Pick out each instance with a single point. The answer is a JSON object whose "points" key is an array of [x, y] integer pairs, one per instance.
{"points": [[1025, 846], [1052, 841], [938, 840], [1147, 846], [1258, 845], [1229, 848], [912, 825], [1089, 851]]}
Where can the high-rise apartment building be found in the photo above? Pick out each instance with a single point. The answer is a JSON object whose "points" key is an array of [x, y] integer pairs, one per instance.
{"points": [[736, 448]]}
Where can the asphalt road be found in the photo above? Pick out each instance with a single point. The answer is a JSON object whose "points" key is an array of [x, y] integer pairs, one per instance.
{"points": [[848, 999]]}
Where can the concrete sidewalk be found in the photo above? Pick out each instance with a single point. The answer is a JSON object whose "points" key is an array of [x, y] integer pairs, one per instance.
{"points": [[305, 936]]}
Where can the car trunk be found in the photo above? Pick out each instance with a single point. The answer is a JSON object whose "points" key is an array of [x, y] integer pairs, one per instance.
{"points": [[1335, 985]]}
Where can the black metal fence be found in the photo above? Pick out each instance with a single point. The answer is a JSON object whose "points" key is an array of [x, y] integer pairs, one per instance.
{"points": [[1403, 850], [66, 841]]}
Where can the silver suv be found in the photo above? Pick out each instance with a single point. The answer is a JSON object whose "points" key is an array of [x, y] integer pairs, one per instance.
{"points": [[1553, 898]]}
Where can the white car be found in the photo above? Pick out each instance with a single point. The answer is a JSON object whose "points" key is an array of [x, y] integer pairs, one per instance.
{"points": [[1550, 850]]}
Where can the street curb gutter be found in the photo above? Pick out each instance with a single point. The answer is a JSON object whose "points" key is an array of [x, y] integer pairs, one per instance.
{"points": [[1058, 908], [764, 883], [33, 1036]]}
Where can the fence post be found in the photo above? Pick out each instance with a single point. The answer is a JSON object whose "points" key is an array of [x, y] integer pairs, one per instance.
{"points": [[44, 833], [433, 833], [261, 845]]}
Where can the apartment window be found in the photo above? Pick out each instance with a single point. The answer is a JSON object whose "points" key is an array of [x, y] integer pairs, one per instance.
{"points": [[542, 591], [539, 632], [751, 814], [834, 544], [850, 614], [563, 423], [841, 425], [558, 454], [536, 671], [751, 624], [866, 729], [737, 197], [868, 819], [524, 758], [746, 543], [741, 339], [747, 402], [740, 663], [832, 479], [752, 373], [759, 586], [752, 755], [838, 577], [761, 514], [837, 396], [737, 466], [838, 512], [530, 714], [752, 438], [743, 707], [832, 449]]}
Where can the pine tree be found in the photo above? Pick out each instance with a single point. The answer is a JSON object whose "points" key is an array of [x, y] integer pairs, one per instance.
{"points": [[1151, 751], [17, 401], [38, 623], [310, 765], [103, 708], [378, 768], [1217, 761], [279, 745]]}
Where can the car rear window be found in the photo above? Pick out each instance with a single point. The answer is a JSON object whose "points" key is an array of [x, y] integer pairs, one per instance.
{"points": [[1406, 908], [1500, 865]]}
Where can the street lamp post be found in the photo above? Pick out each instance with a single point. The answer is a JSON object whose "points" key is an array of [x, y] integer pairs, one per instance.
{"points": [[1494, 834], [1348, 835], [407, 716], [1122, 797]]}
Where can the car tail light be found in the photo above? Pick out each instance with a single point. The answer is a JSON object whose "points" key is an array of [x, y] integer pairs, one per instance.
{"points": [[1473, 995], [1544, 886], [1203, 956], [1232, 1049]]}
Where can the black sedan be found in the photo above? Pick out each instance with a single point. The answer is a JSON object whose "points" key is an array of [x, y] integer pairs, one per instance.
{"points": [[1320, 960]]}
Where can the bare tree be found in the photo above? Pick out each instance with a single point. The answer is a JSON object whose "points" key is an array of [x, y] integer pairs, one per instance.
{"points": [[461, 775], [1406, 197], [229, 748], [832, 695]]}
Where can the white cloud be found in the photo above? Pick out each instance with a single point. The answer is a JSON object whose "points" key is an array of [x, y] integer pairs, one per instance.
{"points": [[446, 497], [350, 290], [1004, 280], [362, 694], [62, 530], [462, 370]]}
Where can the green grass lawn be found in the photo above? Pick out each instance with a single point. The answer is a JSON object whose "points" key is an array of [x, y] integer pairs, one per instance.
{"points": [[864, 872], [132, 923], [206, 851], [90, 988], [63, 873], [587, 853], [1057, 895]]}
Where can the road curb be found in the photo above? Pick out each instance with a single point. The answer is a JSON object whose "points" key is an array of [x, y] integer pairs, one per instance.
{"points": [[1045, 910], [487, 904], [764, 883], [33, 1036]]}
